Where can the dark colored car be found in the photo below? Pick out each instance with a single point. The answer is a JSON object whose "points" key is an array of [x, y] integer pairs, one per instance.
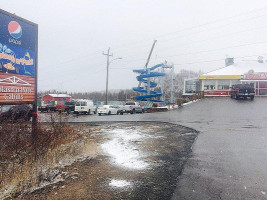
{"points": [[70, 107], [244, 91], [15, 113], [47, 108]]}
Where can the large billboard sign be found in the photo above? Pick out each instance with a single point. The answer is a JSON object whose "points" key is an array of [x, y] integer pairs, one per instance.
{"points": [[18, 54]]}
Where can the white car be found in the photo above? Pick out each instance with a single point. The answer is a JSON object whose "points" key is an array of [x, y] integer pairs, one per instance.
{"points": [[108, 110]]}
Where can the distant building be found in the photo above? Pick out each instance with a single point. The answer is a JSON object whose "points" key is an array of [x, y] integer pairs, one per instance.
{"points": [[54, 99], [219, 82]]}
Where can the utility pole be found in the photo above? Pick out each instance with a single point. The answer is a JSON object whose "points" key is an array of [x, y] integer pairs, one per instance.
{"points": [[108, 55]]}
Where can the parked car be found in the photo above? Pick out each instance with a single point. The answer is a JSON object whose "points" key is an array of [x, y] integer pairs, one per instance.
{"points": [[47, 108], [85, 106], [242, 91], [15, 113], [108, 110], [60, 108], [132, 107], [70, 106]]}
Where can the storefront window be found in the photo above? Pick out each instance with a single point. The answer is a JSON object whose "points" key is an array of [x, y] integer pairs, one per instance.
{"points": [[209, 84], [262, 91], [223, 84], [263, 84], [192, 86]]}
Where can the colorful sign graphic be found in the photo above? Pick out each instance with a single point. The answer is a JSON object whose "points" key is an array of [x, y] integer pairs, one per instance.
{"points": [[18, 39], [14, 29], [256, 76]]}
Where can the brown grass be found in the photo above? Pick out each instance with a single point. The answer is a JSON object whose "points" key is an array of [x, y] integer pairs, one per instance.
{"points": [[22, 153]]}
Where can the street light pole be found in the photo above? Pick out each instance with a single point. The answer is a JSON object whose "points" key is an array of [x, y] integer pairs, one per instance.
{"points": [[108, 63], [108, 55]]}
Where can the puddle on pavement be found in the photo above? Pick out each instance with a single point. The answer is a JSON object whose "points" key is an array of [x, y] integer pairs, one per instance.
{"points": [[123, 149]]}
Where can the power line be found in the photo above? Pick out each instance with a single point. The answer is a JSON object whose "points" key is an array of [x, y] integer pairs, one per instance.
{"points": [[205, 24], [85, 55], [251, 29], [61, 73], [197, 62], [211, 50], [197, 41], [69, 80], [216, 21], [207, 61]]}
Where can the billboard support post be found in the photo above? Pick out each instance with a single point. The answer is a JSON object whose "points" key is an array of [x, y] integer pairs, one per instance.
{"points": [[34, 116]]}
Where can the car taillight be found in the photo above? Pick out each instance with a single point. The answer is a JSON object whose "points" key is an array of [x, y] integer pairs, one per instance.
{"points": [[254, 91], [130, 107]]}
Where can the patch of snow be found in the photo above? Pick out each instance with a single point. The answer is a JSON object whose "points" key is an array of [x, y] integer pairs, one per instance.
{"points": [[263, 192], [124, 150], [184, 104], [4, 193], [119, 183]]}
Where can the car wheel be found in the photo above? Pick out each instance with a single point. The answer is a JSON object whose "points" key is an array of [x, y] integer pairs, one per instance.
{"points": [[121, 113], [252, 98], [109, 113], [236, 97], [89, 111], [99, 114], [118, 112]]}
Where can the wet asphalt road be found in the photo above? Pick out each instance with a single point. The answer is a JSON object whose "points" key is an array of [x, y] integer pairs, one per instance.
{"points": [[229, 159]]}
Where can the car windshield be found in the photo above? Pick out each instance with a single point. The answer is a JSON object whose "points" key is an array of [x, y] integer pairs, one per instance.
{"points": [[130, 103]]}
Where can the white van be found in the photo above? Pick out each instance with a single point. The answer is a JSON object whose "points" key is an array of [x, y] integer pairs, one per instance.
{"points": [[85, 106]]}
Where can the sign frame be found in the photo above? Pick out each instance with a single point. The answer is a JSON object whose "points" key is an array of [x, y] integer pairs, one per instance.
{"points": [[34, 103]]}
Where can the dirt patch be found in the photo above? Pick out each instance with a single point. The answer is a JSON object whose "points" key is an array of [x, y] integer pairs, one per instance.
{"points": [[134, 160]]}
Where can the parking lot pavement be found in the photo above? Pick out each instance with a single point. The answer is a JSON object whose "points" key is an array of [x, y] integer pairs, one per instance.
{"points": [[229, 155]]}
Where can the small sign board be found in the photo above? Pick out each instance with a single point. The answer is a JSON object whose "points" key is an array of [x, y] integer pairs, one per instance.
{"points": [[226, 77], [256, 76], [18, 59]]}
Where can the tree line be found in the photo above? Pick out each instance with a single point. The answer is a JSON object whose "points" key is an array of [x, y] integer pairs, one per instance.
{"points": [[128, 94]]}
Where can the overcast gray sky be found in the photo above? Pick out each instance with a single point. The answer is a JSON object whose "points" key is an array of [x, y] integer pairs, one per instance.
{"points": [[73, 35]]}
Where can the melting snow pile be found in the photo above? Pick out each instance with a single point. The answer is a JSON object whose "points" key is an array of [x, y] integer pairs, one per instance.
{"points": [[124, 150], [119, 183]]}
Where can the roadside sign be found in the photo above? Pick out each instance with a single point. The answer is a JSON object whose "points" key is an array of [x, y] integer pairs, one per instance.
{"points": [[18, 59]]}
